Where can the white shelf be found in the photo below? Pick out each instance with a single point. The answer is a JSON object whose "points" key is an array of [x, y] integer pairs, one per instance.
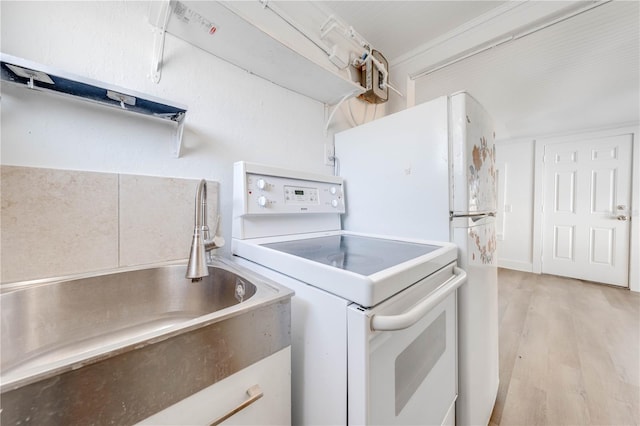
{"points": [[43, 78], [256, 40]]}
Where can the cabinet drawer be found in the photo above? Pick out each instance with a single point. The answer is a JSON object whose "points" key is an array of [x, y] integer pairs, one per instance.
{"points": [[273, 377]]}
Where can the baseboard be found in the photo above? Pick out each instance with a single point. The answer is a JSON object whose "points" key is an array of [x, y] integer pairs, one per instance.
{"points": [[516, 265]]}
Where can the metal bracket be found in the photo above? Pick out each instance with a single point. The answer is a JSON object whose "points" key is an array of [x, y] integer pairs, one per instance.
{"points": [[177, 151], [158, 39]]}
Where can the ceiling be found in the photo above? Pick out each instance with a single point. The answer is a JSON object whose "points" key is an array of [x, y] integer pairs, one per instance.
{"points": [[398, 27], [578, 73]]}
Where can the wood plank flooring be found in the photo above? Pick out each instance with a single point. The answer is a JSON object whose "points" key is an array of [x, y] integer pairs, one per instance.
{"points": [[569, 352]]}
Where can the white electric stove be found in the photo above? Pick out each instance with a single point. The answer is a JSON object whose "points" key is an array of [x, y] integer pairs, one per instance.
{"points": [[373, 319]]}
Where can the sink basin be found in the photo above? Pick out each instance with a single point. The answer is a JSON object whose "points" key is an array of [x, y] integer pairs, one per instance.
{"points": [[43, 325], [52, 328]]}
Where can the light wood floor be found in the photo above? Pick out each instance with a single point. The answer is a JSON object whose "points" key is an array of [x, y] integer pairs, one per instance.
{"points": [[569, 352]]}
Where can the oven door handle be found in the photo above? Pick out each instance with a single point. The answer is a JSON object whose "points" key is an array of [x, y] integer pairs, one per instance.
{"points": [[409, 318]]}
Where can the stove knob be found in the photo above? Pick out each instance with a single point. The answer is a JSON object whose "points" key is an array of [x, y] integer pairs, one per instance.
{"points": [[261, 184], [333, 190], [334, 203], [262, 201]]}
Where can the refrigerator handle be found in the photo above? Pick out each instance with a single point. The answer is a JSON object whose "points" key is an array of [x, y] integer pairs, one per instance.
{"points": [[473, 216]]}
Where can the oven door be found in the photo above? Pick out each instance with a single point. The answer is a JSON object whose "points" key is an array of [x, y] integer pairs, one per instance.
{"points": [[402, 354]]}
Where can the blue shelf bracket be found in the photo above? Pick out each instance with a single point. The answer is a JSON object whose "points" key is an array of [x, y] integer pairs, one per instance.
{"points": [[41, 78]]}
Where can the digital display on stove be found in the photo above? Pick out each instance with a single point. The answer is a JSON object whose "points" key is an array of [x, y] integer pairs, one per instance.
{"points": [[298, 195], [355, 253]]}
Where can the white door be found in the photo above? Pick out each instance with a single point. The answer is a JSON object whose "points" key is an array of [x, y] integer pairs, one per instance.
{"points": [[587, 199]]}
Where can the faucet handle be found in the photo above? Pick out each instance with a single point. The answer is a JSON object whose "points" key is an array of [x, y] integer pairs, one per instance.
{"points": [[218, 240]]}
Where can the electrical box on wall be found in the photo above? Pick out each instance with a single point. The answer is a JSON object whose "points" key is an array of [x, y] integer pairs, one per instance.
{"points": [[372, 79]]}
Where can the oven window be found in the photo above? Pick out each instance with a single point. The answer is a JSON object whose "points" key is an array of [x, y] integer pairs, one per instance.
{"points": [[416, 361]]}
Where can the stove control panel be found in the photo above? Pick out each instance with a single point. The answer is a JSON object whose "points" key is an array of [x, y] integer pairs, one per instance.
{"points": [[268, 190], [276, 194]]}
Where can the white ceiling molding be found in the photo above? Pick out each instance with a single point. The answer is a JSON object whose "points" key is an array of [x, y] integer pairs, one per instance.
{"points": [[489, 28], [531, 29], [476, 24], [579, 73], [503, 21]]}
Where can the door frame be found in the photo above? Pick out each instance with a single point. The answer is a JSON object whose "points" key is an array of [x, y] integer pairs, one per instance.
{"points": [[538, 194]]}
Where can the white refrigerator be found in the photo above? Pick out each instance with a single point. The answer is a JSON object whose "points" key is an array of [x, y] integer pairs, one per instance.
{"points": [[429, 172]]}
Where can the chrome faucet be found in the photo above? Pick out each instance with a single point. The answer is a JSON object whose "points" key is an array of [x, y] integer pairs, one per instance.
{"points": [[201, 243]]}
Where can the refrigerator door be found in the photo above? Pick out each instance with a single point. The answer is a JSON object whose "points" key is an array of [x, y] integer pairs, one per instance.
{"points": [[473, 156], [396, 172], [478, 319]]}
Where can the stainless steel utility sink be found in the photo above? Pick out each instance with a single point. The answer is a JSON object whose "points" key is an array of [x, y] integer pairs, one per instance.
{"points": [[56, 331], [53, 324]]}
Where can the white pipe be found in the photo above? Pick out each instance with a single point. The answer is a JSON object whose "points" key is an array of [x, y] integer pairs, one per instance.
{"points": [[353, 120], [292, 24], [381, 68], [354, 123], [344, 98], [324, 31], [561, 19], [395, 90], [454, 61], [385, 75]]}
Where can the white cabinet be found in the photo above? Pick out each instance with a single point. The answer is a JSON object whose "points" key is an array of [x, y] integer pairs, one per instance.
{"points": [[273, 377]]}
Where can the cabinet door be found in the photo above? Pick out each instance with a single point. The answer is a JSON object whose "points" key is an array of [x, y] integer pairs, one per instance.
{"points": [[272, 375]]}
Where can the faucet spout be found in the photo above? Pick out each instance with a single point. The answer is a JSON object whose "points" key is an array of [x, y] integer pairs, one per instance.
{"points": [[201, 242]]}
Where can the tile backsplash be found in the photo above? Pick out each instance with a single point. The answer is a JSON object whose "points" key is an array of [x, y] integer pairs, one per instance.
{"points": [[61, 222]]}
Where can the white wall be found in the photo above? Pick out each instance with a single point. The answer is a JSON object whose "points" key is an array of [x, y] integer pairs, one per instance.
{"points": [[232, 114], [515, 165]]}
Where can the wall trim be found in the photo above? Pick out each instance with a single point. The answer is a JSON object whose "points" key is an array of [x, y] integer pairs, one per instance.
{"points": [[515, 265], [501, 23]]}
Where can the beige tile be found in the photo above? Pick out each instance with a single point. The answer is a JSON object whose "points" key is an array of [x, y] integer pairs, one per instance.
{"points": [[57, 222], [157, 217]]}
